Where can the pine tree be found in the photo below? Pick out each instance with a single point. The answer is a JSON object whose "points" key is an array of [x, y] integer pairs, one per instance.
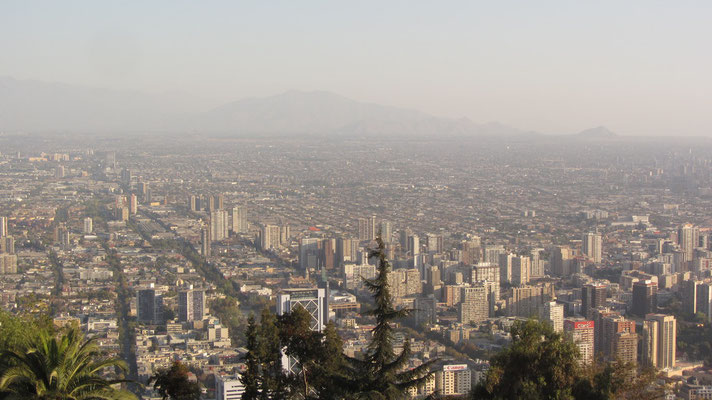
{"points": [[272, 385], [382, 374], [251, 378]]}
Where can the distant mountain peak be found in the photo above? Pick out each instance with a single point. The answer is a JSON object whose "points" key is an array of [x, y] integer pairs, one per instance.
{"points": [[598, 132]]}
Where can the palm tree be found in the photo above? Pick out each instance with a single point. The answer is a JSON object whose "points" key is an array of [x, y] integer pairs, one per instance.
{"points": [[64, 367]]}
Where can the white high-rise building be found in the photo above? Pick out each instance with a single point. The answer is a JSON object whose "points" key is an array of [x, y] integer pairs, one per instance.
{"points": [[554, 314], [593, 247], [219, 225], [228, 387], [521, 269], [88, 226], [314, 301], [239, 219], [3, 227], [270, 237]]}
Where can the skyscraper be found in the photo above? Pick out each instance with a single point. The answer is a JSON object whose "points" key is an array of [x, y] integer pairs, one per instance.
{"points": [[191, 305], [133, 203], [593, 295], [582, 333], [561, 257], [553, 313], [434, 243], [88, 226], [3, 227], [645, 299], [688, 237], [659, 347], [239, 219], [219, 225], [149, 306], [205, 241], [521, 268], [505, 267], [592, 247], [270, 237], [309, 253], [386, 231], [474, 306], [312, 300]]}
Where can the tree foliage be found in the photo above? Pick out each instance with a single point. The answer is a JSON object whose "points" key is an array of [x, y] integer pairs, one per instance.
{"points": [[382, 374], [58, 367], [173, 383], [543, 364]]}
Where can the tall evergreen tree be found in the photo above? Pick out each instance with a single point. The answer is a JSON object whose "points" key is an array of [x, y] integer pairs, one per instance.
{"points": [[251, 378], [382, 374], [269, 349]]}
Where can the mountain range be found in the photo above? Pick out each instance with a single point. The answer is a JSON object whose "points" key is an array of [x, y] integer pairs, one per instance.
{"points": [[33, 106]]}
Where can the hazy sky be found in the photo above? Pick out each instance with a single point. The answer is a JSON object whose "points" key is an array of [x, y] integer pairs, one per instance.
{"points": [[638, 67]]}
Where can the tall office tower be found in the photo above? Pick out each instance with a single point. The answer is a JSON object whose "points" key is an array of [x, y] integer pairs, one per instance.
{"points": [[403, 236], [193, 203], [122, 214], [434, 243], [593, 247], [372, 227], [521, 267], [126, 176], [228, 387], [7, 245], [492, 253], [144, 189], [343, 251], [704, 300], [474, 307], [424, 311], [433, 282], [688, 237], [505, 267], [453, 380], [309, 253], [3, 227], [386, 231], [285, 235], [270, 237], [561, 260], [363, 229], [328, 254], [110, 159], [582, 333], [471, 251], [191, 305], [413, 245], [537, 270], [133, 203], [88, 226], [312, 300], [689, 296], [218, 225], [219, 201], [413, 282], [210, 203], [199, 203], [645, 298], [488, 272], [526, 301], [553, 313], [239, 219], [593, 295], [149, 306], [59, 171], [659, 341], [205, 241], [618, 341], [8, 263]]}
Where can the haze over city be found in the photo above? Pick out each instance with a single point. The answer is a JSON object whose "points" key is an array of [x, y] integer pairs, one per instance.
{"points": [[636, 67], [355, 201]]}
